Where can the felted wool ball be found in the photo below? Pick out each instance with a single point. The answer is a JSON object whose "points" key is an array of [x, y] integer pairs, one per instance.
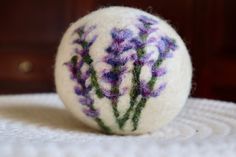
{"points": [[123, 71]]}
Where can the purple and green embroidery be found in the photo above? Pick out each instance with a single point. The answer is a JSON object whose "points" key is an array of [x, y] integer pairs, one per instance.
{"points": [[117, 59], [165, 47], [83, 87], [119, 53], [140, 42]]}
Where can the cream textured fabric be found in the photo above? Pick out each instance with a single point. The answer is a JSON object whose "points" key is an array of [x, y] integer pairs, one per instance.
{"points": [[38, 125], [101, 29]]}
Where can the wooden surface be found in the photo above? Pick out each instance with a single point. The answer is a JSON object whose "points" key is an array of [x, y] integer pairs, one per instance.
{"points": [[30, 32]]}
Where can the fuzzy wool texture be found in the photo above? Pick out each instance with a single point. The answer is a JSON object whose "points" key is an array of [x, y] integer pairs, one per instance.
{"points": [[158, 110]]}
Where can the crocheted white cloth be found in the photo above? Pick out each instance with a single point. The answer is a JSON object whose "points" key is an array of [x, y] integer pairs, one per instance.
{"points": [[38, 125]]}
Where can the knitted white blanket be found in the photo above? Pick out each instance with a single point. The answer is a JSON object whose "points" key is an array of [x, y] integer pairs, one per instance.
{"points": [[38, 125]]}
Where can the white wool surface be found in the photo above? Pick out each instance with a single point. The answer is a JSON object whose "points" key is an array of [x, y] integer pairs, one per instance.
{"points": [[159, 110]]}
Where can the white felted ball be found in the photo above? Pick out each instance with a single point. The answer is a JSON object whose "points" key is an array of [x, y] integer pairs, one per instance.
{"points": [[122, 70]]}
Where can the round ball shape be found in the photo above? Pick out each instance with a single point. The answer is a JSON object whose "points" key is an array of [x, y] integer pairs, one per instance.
{"points": [[123, 71]]}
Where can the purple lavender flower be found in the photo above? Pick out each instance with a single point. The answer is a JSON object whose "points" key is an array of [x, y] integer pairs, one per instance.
{"points": [[120, 44], [145, 26], [91, 112], [82, 33], [116, 61], [83, 87], [73, 68], [87, 101], [75, 65], [115, 57], [145, 59], [85, 44], [83, 90], [146, 91], [138, 43], [119, 35], [147, 20], [145, 29], [165, 46], [112, 76], [158, 91], [157, 72], [111, 95]]}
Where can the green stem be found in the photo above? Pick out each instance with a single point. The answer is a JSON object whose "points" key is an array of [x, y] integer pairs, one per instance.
{"points": [[137, 112], [125, 117], [115, 91], [114, 102], [134, 91], [88, 60], [142, 102], [98, 91], [102, 125], [94, 82]]}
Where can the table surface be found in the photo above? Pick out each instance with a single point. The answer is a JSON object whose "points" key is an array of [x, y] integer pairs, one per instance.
{"points": [[39, 125]]}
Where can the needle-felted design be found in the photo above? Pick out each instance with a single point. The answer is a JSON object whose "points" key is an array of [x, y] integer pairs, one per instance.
{"points": [[122, 42], [146, 26], [165, 47], [83, 88], [130, 73], [115, 58]]}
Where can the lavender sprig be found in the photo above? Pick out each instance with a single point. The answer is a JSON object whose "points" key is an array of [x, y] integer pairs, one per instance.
{"points": [[83, 87], [145, 28], [115, 58], [84, 53], [165, 46]]}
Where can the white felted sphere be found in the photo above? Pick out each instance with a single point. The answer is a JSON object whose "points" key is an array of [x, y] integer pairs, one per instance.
{"points": [[122, 70]]}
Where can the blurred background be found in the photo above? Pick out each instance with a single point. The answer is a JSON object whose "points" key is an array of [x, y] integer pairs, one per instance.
{"points": [[30, 31]]}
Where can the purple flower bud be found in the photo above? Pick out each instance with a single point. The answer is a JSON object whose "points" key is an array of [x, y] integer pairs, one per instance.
{"points": [[91, 112], [109, 94], [145, 91], [82, 89], [138, 43], [119, 48], [78, 90], [92, 41], [115, 61], [86, 32], [111, 77], [114, 48], [119, 35], [158, 91], [83, 52], [147, 20], [85, 75], [80, 31], [145, 31], [157, 72], [166, 55], [165, 45], [127, 46], [145, 59], [78, 41], [87, 101]]}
